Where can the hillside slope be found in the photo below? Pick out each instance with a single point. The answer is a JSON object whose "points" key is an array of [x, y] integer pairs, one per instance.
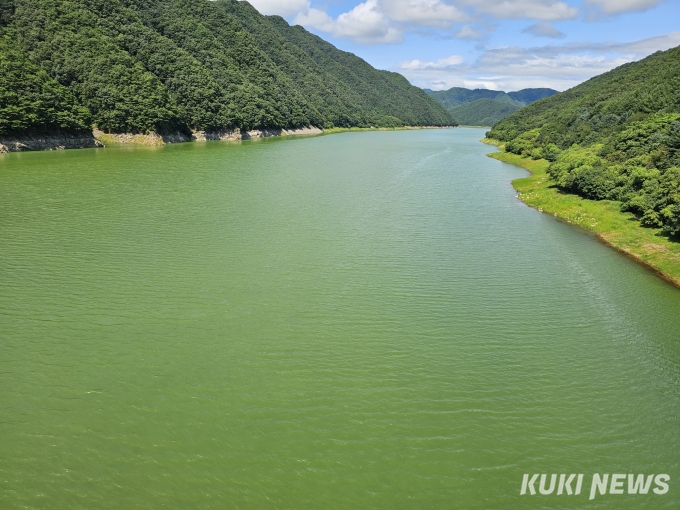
{"points": [[528, 96], [483, 112], [32, 101], [181, 65], [483, 107], [613, 137], [458, 95]]}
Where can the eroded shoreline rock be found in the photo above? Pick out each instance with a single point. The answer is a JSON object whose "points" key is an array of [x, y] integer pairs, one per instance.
{"points": [[100, 139], [47, 142]]}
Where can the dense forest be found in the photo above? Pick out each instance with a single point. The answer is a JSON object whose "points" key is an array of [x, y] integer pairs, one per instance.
{"points": [[483, 112], [32, 100], [614, 137], [483, 107], [182, 65]]}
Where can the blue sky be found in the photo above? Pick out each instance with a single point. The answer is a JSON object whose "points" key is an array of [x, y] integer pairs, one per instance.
{"points": [[496, 44]]}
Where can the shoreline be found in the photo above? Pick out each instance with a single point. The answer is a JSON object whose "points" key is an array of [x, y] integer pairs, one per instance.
{"points": [[99, 139], [618, 230], [51, 142], [230, 135]]}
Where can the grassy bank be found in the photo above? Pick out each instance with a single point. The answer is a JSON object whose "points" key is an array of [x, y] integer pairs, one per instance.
{"points": [[620, 230]]}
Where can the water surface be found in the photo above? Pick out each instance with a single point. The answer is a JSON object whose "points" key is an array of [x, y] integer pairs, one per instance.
{"points": [[357, 321]]}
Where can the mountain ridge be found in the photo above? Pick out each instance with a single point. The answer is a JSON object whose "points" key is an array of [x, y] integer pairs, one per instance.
{"points": [[457, 100]]}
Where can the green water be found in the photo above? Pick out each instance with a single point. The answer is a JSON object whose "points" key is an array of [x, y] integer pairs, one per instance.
{"points": [[356, 321]]}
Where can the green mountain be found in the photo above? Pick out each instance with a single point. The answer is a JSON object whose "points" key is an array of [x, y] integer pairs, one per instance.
{"points": [[613, 137], [458, 95], [528, 96], [483, 112], [181, 65], [490, 105]]}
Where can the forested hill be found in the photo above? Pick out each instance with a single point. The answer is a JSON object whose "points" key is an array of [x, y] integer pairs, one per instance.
{"points": [[181, 65], [483, 112], [613, 137], [483, 107]]}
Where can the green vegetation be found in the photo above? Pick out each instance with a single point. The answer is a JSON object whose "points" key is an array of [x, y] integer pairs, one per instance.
{"points": [[179, 65], [652, 246], [615, 137], [457, 95], [370, 97], [31, 101], [482, 107], [528, 96], [483, 112]]}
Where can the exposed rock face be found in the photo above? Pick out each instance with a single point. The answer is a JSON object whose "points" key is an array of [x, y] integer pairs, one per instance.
{"points": [[237, 134], [70, 141], [48, 142], [153, 138]]}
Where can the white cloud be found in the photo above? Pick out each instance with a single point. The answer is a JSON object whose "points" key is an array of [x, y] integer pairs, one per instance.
{"points": [[386, 21], [546, 10], [442, 63], [546, 62], [649, 45], [280, 7], [612, 7], [470, 33], [364, 24], [544, 30], [434, 13], [512, 68], [315, 18], [480, 84], [382, 21], [639, 48]]}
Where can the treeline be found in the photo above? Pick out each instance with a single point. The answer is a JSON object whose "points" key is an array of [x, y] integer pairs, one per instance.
{"points": [[181, 65], [614, 137]]}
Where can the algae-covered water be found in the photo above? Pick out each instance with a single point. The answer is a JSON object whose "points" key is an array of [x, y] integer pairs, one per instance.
{"points": [[356, 321]]}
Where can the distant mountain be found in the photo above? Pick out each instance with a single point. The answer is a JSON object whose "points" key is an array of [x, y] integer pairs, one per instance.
{"points": [[614, 137], [455, 97], [458, 95], [180, 65], [528, 96], [483, 112]]}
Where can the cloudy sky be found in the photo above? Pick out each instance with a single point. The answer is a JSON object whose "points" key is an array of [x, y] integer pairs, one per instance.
{"points": [[495, 44]]}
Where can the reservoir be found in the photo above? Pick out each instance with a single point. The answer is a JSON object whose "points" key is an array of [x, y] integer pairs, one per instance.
{"points": [[364, 320]]}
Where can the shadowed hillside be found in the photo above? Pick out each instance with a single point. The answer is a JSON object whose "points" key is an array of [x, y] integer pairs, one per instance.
{"points": [[483, 112], [181, 65]]}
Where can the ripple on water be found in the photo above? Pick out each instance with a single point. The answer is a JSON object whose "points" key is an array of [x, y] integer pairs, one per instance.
{"points": [[366, 320]]}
